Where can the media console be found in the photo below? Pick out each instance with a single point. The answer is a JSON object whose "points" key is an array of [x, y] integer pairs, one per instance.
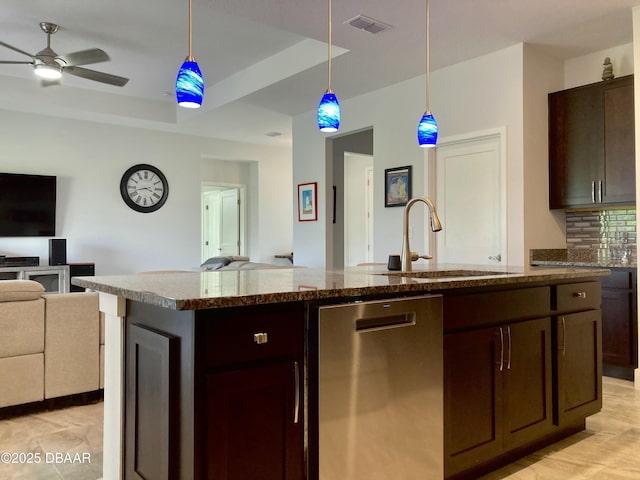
{"points": [[55, 279]]}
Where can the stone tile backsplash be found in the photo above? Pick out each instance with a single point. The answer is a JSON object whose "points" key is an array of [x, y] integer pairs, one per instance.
{"points": [[602, 235]]}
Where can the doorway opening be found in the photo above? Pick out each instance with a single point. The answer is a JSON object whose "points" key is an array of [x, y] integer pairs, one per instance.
{"points": [[353, 146], [223, 220]]}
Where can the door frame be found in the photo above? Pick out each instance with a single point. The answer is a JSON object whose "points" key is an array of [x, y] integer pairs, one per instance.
{"points": [[242, 195], [431, 180]]}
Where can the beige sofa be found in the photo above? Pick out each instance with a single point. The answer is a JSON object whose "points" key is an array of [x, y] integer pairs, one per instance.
{"points": [[50, 345]]}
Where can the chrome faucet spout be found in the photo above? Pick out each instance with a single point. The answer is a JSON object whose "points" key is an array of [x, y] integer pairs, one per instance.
{"points": [[436, 226]]}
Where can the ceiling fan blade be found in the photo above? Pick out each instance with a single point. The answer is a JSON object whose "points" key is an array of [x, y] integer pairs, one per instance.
{"points": [[12, 62], [15, 49], [97, 76], [84, 57], [49, 83]]}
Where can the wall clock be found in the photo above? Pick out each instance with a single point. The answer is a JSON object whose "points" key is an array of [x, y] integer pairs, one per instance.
{"points": [[144, 188]]}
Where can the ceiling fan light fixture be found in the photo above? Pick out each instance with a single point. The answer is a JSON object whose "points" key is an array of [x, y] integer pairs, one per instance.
{"points": [[50, 72], [189, 84]]}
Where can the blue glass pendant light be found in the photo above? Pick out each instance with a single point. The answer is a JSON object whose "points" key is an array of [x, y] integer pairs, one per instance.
{"points": [[189, 83], [427, 130], [428, 127], [329, 112], [329, 107]]}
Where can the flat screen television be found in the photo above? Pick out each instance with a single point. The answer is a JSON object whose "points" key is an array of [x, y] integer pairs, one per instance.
{"points": [[27, 205]]}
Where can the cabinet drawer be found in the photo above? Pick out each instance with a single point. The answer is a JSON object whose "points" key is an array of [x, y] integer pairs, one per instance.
{"points": [[618, 279], [238, 337], [574, 297], [492, 308]]}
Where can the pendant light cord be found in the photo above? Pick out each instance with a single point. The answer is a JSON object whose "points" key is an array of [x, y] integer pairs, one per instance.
{"points": [[190, 27], [329, 53], [427, 55]]}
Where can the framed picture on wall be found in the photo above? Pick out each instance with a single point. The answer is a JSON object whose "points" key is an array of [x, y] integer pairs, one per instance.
{"points": [[307, 202], [397, 186]]}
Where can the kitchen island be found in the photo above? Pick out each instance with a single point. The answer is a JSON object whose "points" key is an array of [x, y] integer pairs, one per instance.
{"points": [[181, 346]]}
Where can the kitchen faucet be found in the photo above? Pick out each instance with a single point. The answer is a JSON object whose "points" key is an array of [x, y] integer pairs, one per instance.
{"points": [[407, 255]]}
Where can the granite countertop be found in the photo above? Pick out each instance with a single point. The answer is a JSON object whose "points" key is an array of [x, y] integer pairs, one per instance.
{"points": [[580, 263], [215, 289], [562, 257]]}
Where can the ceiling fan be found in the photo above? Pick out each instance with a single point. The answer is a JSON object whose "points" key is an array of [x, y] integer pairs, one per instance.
{"points": [[50, 66]]}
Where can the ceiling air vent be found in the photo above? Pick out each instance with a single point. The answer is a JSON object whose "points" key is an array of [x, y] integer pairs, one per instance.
{"points": [[368, 24]]}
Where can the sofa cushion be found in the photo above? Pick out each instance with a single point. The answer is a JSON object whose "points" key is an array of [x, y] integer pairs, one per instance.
{"points": [[22, 379], [19, 290], [22, 327], [72, 343]]}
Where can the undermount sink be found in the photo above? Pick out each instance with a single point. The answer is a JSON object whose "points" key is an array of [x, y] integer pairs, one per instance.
{"points": [[445, 273]]}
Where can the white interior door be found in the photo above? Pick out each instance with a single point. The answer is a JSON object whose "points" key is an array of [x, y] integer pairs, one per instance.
{"points": [[210, 224], [471, 200], [229, 215], [358, 205]]}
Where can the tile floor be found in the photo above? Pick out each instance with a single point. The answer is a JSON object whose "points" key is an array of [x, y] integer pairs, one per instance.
{"points": [[61, 444], [609, 449]]}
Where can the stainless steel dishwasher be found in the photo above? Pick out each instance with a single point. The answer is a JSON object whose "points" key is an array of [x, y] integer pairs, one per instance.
{"points": [[380, 390]]}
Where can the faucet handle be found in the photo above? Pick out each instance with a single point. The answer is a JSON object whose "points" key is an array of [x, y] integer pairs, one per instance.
{"points": [[415, 256]]}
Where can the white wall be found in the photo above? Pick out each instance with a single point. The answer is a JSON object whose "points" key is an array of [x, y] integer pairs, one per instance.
{"points": [[543, 228], [483, 93], [89, 160], [487, 93], [588, 68]]}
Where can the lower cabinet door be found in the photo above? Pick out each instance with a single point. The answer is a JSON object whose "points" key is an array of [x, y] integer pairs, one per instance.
{"points": [[528, 385], [472, 398], [579, 358], [152, 372], [619, 328], [254, 424], [497, 391]]}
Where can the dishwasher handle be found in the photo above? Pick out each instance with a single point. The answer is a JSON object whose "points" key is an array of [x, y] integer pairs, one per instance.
{"points": [[373, 324]]}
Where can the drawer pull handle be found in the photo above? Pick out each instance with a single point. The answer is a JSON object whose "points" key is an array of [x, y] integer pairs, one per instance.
{"points": [[296, 400], [509, 356], [580, 294], [260, 338], [501, 362]]}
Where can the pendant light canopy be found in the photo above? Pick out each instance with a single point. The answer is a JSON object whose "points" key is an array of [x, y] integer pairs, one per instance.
{"points": [[428, 127], [329, 107], [189, 83]]}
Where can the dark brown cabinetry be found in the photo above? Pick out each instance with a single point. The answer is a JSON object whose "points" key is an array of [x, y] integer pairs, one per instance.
{"points": [[592, 145], [578, 390], [498, 391], [151, 404], [253, 423], [620, 323], [215, 394], [579, 370], [498, 386], [522, 368], [252, 404]]}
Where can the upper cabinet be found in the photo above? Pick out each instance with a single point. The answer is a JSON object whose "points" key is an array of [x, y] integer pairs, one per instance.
{"points": [[592, 145]]}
